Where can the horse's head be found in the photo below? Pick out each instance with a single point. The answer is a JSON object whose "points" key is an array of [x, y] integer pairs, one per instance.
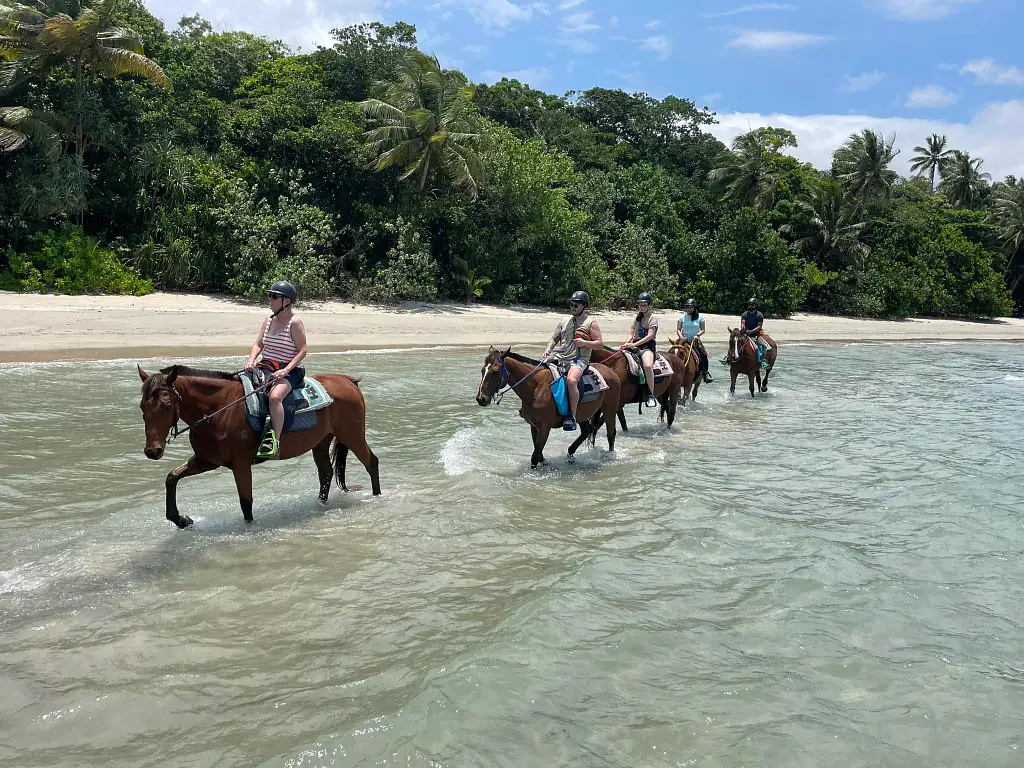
{"points": [[493, 376], [735, 341], [160, 408]]}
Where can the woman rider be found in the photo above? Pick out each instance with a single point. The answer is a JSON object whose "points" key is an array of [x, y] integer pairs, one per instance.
{"points": [[570, 347], [282, 344], [690, 328], [641, 336]]}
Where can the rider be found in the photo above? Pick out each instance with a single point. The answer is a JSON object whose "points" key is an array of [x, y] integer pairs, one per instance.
{"points": [[570, 348], [690, 328], [752, 324], [641, 336], [282, 344]]}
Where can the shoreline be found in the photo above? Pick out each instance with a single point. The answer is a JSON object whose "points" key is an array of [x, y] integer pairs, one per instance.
{"points": [[48, 328]]}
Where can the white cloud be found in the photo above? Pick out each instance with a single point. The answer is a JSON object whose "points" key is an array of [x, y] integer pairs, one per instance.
{"points": [[653, 24], [709, 99], [570, 4], [532, 76], [921, 10], [613, 21], [776, 40], [476, 50], [993, 133], [988, 72], [863, 82], [279, 21], [659, 44], [578, 23], [929, 96], [751, 9], [498, 13]]}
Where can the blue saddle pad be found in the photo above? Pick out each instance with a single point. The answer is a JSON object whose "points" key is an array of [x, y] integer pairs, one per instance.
{"points": [[300, 406], [589, 387]]}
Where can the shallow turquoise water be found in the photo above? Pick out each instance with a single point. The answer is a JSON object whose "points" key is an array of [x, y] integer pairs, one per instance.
{"points": [[829, 574]]}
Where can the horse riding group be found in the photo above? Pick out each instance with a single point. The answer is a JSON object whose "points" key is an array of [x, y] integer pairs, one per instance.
{"points": [[581, 382], [578, 383]]}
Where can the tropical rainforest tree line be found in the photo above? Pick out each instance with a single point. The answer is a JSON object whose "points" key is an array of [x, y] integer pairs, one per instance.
{"points": [[134, 158]]}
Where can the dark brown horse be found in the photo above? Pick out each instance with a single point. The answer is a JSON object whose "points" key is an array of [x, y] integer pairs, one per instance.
{"points": [[226, 440], [532, 383], [743, 359], [666, 392], [692, 376]]}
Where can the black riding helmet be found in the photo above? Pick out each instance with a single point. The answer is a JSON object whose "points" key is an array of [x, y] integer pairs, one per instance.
{"points": [[581, 297], [284, 288], [752, 303], [690, 303], [645, 296]]}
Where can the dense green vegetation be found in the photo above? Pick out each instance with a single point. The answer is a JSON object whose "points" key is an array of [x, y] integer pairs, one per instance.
{"points": [[134, 158]]}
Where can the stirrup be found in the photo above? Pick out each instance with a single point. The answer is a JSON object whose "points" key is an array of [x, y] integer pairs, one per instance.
{"points": [[269, 447]]}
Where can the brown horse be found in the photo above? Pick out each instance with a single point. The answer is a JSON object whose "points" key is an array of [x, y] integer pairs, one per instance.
{"points": [[666, 392], [532, 383], [221, 436], [743, 359], [692, 375]]}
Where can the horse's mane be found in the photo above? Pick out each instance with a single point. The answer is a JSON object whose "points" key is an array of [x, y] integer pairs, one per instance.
{"points": [[523, 358], [200, 373]]}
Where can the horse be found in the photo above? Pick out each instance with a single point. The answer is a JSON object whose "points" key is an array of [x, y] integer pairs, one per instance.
{"points": [[743, 359], [531, 381], [210, 401], [667, 392], [693, 373]]}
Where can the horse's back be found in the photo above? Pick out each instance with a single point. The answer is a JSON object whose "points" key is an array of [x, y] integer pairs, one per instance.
{"points": [[340, 386]]}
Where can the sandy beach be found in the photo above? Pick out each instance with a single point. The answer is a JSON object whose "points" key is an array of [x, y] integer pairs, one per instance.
{"points": [[40, 327]]}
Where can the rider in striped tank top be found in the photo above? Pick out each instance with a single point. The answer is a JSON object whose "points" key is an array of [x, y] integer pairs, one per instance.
{"points": [[281, 347]]}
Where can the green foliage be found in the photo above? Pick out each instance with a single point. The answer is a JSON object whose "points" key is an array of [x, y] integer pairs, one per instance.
{"points": [[409, 272], [640, 266], [66, 261]]}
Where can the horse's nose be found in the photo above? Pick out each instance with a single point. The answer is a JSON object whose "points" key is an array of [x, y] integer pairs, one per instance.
{"points": [[484, 401], [154, 453]]}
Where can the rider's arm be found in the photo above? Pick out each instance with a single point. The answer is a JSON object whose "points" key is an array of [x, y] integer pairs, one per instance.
{"points": [[553, 340], [651, 333], [679, 328], [596, 341], [702, 329], [299, 337], [257, 347]]}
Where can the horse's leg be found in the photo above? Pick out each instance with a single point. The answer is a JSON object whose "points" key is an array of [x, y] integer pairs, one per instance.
{"points": [[673, 403], [322, 457], [764, 385], [585, 428], [750, 378], [540, 439], [732, 386], [367, 458], [622, 419], [243, 482], [193, 466], [757, 375], [339, 459]]}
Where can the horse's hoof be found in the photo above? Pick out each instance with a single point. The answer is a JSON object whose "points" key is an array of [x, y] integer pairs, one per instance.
{"points": [[184, 522], [571, 459]]}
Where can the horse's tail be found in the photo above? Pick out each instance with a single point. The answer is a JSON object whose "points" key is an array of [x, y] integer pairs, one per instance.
{"points": [[339, 452], [593, 426], [354, 380]]}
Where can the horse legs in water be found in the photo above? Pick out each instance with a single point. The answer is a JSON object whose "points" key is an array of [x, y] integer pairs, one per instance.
{"points": [[750, 377], [668, 408], [322, 457], [732, 386], [243, 482], [540, 439], [193, 466], [609, 423], [622, 419], [764, 385], [366, 457]]}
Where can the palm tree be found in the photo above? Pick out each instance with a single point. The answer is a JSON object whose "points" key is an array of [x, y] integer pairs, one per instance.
{"points": [[863, 164], [962, 178], [19, 125], [834, 226], [930, 157], [1007, 215], [37, 37], [424, 126], [744, 174]]}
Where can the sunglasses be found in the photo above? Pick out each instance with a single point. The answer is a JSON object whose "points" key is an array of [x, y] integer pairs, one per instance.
{"points": [[273, 296], [575, 303]]}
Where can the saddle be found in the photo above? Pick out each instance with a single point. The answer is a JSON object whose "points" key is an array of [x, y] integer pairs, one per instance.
{"points": [[591, 385], [662, 367], [300, 406]]}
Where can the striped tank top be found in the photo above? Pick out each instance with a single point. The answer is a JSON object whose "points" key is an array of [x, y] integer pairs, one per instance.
{"points": [[279, 346]]}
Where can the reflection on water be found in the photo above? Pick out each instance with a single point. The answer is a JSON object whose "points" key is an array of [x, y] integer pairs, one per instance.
{"points": [[830, 574]]}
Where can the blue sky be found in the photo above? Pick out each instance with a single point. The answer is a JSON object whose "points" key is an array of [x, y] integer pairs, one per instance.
{"points": [[823, 69]]}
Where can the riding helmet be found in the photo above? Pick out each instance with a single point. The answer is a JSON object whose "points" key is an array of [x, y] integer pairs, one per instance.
{"points": [[690, 303], [645, 297], [284, 288], [751, 302], [582, 297]]}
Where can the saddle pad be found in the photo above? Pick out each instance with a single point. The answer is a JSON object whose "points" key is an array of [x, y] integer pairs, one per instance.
{"points": [[300, 406], [662, 367], [591, 385]]}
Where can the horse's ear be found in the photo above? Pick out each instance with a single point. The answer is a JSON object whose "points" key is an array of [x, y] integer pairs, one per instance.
{"points": [[172, 376], [491, 349], [508, 350], [142, 374]]}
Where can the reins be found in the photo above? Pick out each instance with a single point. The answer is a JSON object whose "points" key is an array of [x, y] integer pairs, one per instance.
{"points": [[177, 409]]}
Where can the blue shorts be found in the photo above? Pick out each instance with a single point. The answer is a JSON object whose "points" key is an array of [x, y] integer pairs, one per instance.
{"points": [[295, 377]]}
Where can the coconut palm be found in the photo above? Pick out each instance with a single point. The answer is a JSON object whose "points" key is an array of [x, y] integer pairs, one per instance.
{"points": [[19, 125], [1007, 215], [832, 235], [930, 157], [424, 126], [962, 178], [40, 36], [744, 174], [863, 164]]}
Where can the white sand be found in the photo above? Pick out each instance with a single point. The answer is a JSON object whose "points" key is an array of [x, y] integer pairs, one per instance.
{"points": [[35, 327]]}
